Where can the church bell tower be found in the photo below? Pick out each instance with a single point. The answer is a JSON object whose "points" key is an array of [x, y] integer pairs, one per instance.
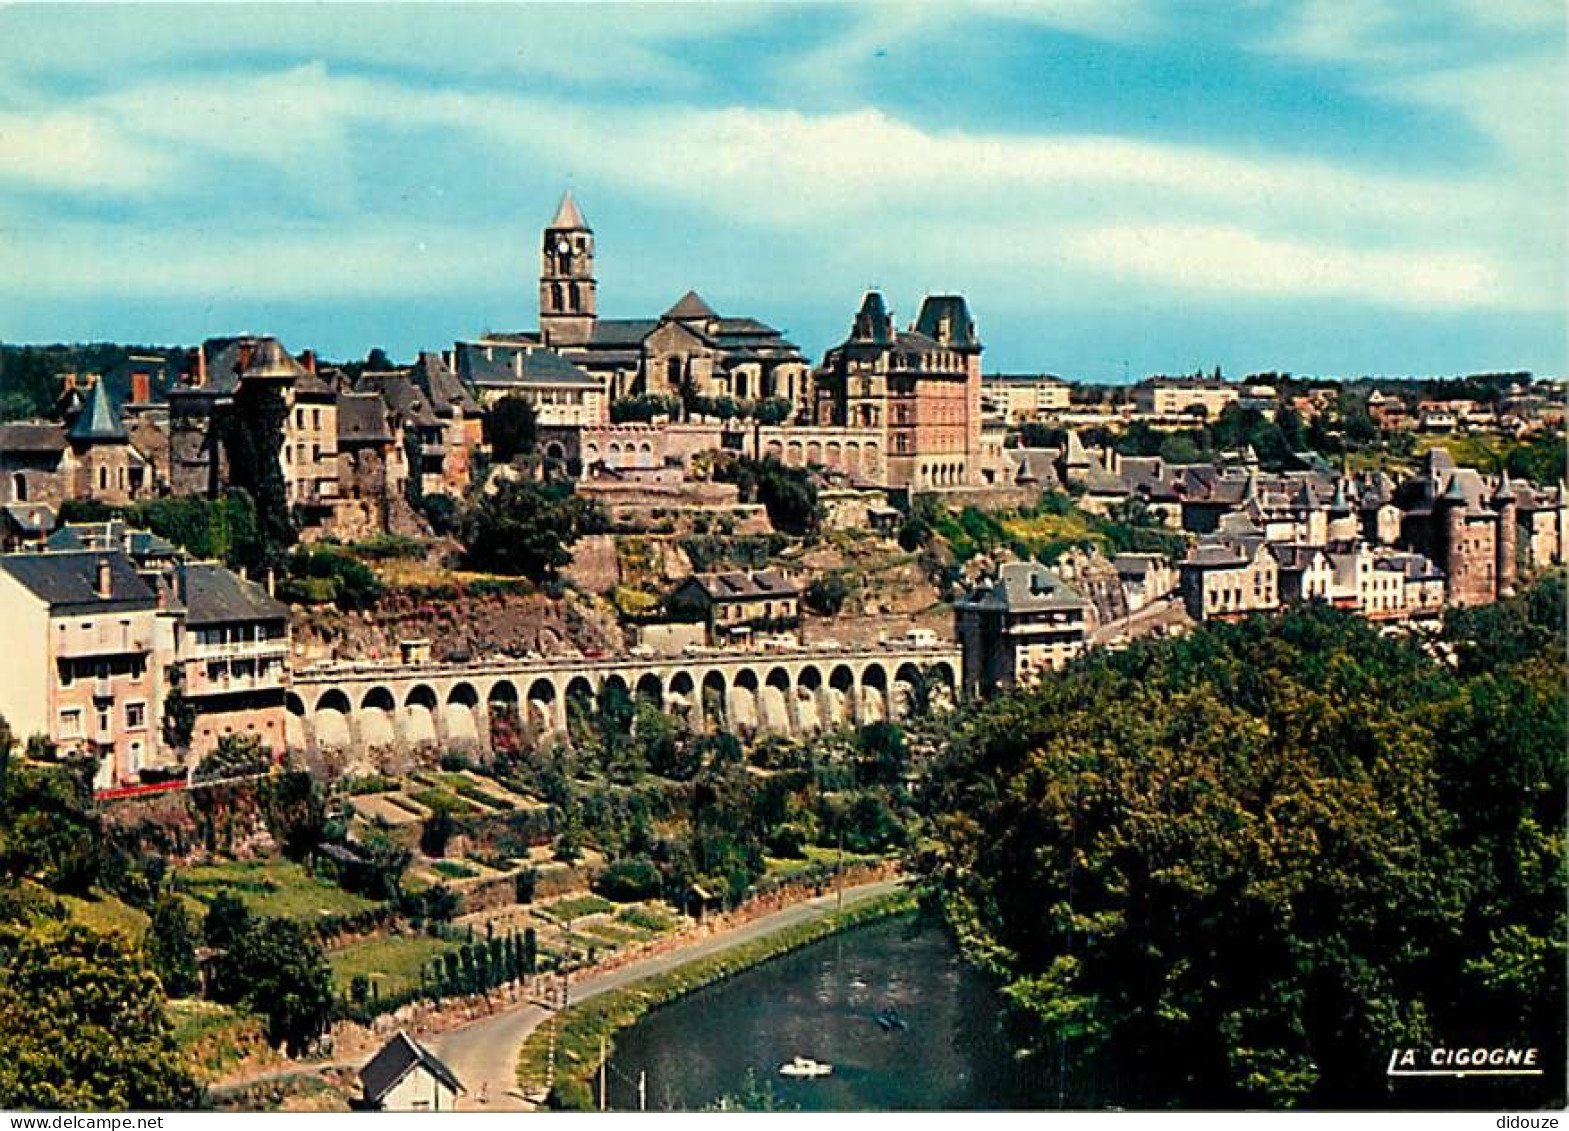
{"points": [[567, 288]]}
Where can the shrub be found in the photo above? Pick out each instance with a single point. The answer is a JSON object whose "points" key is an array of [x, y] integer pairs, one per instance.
{"points": [[629, 881]]}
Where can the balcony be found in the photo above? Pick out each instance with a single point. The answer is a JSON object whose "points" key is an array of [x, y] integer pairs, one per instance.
{"points": [[243, 650]]}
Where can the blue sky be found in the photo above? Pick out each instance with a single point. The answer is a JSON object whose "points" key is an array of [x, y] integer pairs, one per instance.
{"points": [[1336, 187]]}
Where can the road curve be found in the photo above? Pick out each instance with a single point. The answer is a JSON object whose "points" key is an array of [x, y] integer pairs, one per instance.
{"points": [[484, 1054]]}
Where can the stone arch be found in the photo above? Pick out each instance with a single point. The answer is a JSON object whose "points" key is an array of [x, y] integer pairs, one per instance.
{"points": [[716, 702], [577, 703], [651, 688], [590, 454], [833, 454], [909, 690], [742, 701], [542, 712], [774, 449], [645, 454], [377, 711], [331, 719], [462, 713], [873, 694], [555, 450], [793, 453], [681, 695], [808, 700], [814, 452], [773, 702], [871, 459], [419, 715], [943, 685], [852, 458], [294, 721]]}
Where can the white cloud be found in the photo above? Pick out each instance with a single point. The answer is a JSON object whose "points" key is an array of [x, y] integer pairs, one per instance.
{"points": [[1177, 215], [1237, 261]]}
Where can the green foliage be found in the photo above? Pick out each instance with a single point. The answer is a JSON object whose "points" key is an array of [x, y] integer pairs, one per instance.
{"points": [[321, 573], [787, 493], [275, 968], [526, 529], [827, 594], [49, 828], [773, 410], [511, 427], [524, 884], [252, 437], [629, 881], [1256, 859], [179, 713], [171, 947], [643, 409], [236, 756], [442, 512], [82, 1025]]}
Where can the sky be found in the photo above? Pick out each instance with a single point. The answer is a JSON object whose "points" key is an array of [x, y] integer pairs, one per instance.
{"points": [[1119, 187]]}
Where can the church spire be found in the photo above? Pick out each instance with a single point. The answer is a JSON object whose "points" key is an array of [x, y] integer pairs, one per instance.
{"points": [[567, 217]]}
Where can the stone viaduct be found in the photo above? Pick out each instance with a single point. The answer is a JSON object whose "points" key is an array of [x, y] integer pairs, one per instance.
{"points": [[358, 707]]}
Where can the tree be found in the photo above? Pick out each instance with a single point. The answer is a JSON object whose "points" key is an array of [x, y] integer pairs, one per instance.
{"points": [[527, 529], [1260, 857], [787, 493], [827, 594], [512, 427], [50, 829], [280, 971], [179, 713], [82, 1025], [171, 950], [252, 437]]}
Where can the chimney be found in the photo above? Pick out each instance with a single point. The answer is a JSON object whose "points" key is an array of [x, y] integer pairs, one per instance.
{"points": [[141, 387], [201, 365], [105, 584], [272, 583], [308, 360], [517, 363]]}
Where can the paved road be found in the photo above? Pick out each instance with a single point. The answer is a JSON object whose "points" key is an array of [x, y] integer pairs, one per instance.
{"points": [[484, 1055]]}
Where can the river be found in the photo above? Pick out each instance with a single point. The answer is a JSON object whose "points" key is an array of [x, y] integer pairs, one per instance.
{"points": [[822, 1001]]}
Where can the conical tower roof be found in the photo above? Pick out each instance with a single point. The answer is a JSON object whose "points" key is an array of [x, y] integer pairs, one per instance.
{"points": [[567, 215], [99, 420], [872, 323], [270, 360], [1505, 492]]}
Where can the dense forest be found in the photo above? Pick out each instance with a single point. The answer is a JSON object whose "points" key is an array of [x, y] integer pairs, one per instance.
{"points": [[1240, 868]]}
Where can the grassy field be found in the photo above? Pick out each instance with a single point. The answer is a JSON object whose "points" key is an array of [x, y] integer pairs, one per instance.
{"points": [[391, 962], [216, 1039], [106, 914], [277, 888], [576, 907], [817, 859]]}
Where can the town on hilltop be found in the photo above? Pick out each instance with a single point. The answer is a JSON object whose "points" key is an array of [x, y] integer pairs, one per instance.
{"points": [[394, 651]]}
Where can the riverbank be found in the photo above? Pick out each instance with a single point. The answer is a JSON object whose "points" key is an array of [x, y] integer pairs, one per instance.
{"points": [[578, 1033]]}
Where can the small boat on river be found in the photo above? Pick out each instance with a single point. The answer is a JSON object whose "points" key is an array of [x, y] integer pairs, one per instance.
{"points": [[805, 1068]]}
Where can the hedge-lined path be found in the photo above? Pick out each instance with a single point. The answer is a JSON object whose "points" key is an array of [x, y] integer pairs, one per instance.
{"points": [[484, 1054]]}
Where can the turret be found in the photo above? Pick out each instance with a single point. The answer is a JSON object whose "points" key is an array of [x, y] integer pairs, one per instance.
{"points": [[1508, 535]]}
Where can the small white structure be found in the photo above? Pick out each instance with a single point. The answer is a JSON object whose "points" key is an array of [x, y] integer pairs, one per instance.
{"points": [[404, 1076]]}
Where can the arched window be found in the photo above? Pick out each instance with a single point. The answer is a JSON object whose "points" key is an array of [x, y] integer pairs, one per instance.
{"points": [[103, 478], [19, 488], [575, 297], [673, 372], [557, 299]]}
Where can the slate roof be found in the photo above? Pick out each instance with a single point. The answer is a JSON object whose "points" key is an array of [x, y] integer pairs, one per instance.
{"points": [[441, 385], [112, 535], [30, 518], [1135, 565], [737, 586], [402, 394], [33, 437], [515, 366], [99, 420], [213, 595], [1025, 587], [610, 333], [872, 322], [68, 581], [397, 1058], [952, 308], [362, 418], [691, 307]]}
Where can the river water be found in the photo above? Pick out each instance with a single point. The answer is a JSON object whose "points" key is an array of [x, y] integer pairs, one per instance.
{"points": [[822, 1002]]}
